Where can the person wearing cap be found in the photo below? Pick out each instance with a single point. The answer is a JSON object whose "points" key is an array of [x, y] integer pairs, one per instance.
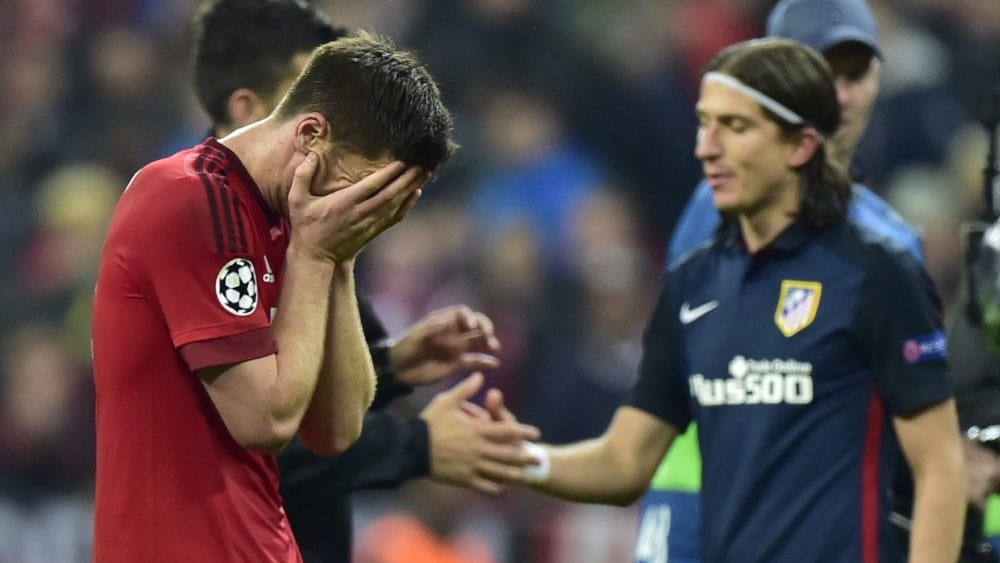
{"points": [[845, 32], [812, 373]]}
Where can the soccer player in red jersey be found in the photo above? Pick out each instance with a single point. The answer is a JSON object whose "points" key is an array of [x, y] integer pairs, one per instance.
{"points": [[246, 55], [225, 315]]}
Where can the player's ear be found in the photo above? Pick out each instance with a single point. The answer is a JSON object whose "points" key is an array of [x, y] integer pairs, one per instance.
{"points": [[312, 134], [806, 143], [245, 107]]}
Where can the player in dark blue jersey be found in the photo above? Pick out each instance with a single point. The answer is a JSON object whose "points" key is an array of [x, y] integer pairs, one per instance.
{"points": [[844, 31], [809, 351]]}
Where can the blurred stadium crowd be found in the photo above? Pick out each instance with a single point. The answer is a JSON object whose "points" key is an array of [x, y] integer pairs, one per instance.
{"points": [[577, 129]]}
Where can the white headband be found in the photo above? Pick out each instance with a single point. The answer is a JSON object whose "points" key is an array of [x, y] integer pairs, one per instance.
{"points": [[761, 98]]}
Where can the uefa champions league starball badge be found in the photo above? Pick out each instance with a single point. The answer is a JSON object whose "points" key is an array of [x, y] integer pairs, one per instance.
{"points": [[236, 287]]}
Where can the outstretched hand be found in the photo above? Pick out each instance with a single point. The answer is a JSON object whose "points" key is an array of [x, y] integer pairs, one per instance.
{"points": [[471, 450], [334, 227], [445, 342]]}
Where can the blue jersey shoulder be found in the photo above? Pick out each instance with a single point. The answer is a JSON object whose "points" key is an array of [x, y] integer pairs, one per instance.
{"points": [[875, 215], [697, 223], [700, 219]]}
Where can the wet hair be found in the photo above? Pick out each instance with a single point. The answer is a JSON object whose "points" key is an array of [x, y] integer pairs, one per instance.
{"points": [[251, 44], [376, 99], [800, 79]]}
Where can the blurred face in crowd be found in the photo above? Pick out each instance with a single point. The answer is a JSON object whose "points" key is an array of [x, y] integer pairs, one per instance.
{"points": [[743, 153], [856, 72]]}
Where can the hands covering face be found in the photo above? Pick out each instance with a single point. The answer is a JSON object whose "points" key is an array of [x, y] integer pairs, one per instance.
{"points": [[336, 226]]}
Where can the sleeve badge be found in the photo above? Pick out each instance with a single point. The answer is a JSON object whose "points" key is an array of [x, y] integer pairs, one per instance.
{"points": [[236, 287]]}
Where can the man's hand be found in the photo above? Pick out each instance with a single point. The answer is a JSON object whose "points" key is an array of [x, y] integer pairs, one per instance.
{"points": [[495, 407], [984, 472], [469, 449], [444, 343], [336, 226]]}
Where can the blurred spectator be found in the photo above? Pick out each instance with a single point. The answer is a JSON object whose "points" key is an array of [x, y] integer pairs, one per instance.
{"points": [[46, 430], [59, 263], [536, 177], [587, 534], [46, 449], [929, 200], [417, 266], [592, 352], [436, 524], [970, 31], [131, 96], [917, 111]]}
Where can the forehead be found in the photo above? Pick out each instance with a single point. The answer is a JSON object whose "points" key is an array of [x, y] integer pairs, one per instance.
{"points": [[715, 99], [357, 165]]}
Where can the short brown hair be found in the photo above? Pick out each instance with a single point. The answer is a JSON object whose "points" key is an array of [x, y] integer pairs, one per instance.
{"points": [[376, 99]]}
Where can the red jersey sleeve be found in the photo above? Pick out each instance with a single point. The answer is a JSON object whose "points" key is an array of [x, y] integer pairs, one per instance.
{"points": [[193, 256]]}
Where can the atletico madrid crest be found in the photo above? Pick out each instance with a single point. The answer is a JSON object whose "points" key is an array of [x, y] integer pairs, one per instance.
{"points": [[797, 305]]}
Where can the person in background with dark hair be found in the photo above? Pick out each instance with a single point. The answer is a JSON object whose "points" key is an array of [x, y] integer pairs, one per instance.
{"points": [[810, 353], [246, 54], [225, 316]]}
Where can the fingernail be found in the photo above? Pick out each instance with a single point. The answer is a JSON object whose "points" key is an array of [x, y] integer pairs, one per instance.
{"points": [[311, 158]]}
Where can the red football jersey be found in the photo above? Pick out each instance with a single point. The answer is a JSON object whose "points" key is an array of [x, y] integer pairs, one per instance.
{"points": [[189, 278]]}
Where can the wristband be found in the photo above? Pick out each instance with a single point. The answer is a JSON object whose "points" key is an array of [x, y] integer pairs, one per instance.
{"points": [[537, 473]]}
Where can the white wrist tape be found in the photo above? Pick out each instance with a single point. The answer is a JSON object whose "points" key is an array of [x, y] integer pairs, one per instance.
{"points": [[539, 472]]}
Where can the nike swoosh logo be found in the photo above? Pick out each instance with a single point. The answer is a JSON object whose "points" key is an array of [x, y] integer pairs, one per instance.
{"points": [[689, 315]]}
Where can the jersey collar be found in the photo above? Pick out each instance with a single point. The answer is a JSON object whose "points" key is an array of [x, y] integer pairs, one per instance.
{"points": [[246, 179], [788, 241]]}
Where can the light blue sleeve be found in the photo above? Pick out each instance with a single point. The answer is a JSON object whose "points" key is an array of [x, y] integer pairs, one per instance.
{"points": [[697, 224], [873, 213]]}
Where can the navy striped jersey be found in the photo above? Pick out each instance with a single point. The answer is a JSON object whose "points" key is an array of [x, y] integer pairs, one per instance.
{"points": [[793, 360]]}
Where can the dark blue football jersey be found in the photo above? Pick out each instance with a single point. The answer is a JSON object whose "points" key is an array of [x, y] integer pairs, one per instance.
{"points": [[793, 361]]}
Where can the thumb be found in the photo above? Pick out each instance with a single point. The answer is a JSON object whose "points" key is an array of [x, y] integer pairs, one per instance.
{"points": [[303, 177], [465, 389], [495, 406]]}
